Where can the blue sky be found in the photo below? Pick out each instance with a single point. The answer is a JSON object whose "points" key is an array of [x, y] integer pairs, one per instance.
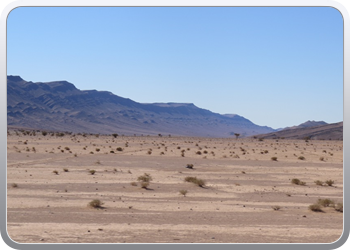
{"points": [[275, 66]]}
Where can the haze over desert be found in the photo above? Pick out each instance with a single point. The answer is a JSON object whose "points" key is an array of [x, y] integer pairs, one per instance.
{"points": [[247, 197]]}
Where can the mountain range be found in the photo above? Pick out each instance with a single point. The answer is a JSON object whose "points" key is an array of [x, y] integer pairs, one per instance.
{"points": [[60, 106]]}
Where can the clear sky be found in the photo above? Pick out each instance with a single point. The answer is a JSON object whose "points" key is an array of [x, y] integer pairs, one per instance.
{"points": [[275, 66]]}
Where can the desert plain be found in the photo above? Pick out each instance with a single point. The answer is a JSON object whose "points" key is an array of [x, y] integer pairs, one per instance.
{"points": [[248, 195]]}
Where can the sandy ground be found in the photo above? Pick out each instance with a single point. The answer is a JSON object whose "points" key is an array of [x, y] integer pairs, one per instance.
{"points": [[235, 205]]}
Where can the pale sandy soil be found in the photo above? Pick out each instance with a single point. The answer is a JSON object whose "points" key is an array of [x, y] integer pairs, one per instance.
{"points": [[233, 207]]}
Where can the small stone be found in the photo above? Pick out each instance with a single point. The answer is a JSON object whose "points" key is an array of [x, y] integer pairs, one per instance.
{"points": [[41, 239]]}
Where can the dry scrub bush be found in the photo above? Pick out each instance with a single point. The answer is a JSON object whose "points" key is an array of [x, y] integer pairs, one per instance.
{"points": [[274, 158], [183, 192], [301, 158], [325, 202], [329, 182], [144, 185], [276, 208], [133, 184], [144, 179], [194, 180], [319, 183], [339, 207], [190, 166], [14, 185], [315, 208], [55, 172], [298, 182], [95, 203], [119, 149], [92, 171], [65, 170]]}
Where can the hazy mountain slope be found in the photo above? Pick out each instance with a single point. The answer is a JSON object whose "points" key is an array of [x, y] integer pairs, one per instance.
{"points": [[332, 131], [60, 105], [308, 124]]}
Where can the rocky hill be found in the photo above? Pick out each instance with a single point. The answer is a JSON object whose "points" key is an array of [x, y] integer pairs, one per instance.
{"points": [[333, 131]]}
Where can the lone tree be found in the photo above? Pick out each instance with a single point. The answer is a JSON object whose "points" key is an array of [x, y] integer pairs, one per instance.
{"points": [[115, 135], [237, 135]]}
